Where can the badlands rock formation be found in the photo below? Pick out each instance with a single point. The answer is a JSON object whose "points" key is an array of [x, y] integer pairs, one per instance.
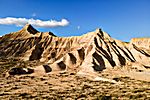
{"points": [[94, 51]]}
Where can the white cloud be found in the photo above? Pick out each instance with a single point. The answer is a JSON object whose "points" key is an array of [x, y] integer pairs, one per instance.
{"points": [[78, 27], [34, 14], [35, 22]]}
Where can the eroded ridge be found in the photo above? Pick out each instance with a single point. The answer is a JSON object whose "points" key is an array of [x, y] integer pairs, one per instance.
{"points": [[94, 51]]}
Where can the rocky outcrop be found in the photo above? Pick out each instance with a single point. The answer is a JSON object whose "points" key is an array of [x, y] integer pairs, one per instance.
{"points": [[94, 51]]}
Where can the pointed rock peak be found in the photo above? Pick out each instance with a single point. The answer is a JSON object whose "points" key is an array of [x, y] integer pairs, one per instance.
{"points": [[29, 28], [98, 30], [101, 33], [50, 33], [43, 34]]}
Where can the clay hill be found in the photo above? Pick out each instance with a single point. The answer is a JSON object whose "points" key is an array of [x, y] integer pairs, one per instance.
{"points": [[94, 54], [94, 51]]}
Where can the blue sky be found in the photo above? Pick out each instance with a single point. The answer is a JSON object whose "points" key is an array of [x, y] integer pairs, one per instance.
{"points": [[122, 19]]}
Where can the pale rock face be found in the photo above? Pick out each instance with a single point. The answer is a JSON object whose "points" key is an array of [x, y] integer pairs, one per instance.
{"points": [[94, 51], [141, 42]]}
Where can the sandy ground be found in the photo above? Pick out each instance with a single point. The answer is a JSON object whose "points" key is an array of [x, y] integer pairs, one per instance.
{"points": [[69, 85], [106, 85]]}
